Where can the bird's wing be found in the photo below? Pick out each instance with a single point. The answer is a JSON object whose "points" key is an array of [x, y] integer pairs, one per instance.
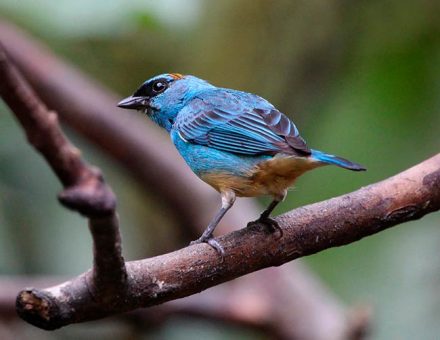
{"points": [[238, 122]]}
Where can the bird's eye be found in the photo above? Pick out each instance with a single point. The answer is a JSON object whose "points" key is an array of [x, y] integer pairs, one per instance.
{"points": [[159, 86]]}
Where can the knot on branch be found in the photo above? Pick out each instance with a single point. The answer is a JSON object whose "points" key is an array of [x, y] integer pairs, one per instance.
{"points": [[91, 197], [37, 308]]}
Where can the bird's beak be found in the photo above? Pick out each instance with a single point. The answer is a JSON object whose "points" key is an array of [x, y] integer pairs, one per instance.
{"points": [[134, 103]]}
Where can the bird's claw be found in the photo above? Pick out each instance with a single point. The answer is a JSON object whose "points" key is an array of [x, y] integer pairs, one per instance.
{"points": [[213, 243], [269, 223]]}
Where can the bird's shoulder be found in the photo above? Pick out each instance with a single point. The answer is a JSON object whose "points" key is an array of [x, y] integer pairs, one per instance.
{"points": [[228, 100]]}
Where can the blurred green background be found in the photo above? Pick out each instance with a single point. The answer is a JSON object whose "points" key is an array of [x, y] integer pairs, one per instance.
{"points": [[361, 79]]}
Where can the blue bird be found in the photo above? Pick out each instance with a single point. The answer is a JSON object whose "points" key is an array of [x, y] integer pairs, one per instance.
{"points": [[237, 142]]}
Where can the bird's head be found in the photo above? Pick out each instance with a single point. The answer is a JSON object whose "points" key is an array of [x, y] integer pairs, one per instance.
{"points": [[163, 96]]}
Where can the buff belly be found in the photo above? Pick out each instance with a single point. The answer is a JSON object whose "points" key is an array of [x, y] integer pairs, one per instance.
{"points": [[269, 177]]}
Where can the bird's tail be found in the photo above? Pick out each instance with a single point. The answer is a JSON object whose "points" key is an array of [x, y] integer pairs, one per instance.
{"points": [[335, 160]]}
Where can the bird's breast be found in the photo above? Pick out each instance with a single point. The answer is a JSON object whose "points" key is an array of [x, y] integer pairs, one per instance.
{"points": [[268, 177]]}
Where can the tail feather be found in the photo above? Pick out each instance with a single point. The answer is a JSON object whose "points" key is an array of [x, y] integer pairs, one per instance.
{"points": [[335, 160]]}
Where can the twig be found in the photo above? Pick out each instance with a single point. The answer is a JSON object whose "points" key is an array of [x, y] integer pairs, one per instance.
{"points": [[307, 230]]}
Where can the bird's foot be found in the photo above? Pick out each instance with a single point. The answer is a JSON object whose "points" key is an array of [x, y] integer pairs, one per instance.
{"points": [[269, 223], [212, 242]]}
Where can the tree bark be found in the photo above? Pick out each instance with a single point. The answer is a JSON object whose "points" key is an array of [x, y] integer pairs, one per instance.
{"points": [[307, 230]]}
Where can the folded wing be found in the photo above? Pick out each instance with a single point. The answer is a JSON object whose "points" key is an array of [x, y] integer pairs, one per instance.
{"points": [[240, 123]]}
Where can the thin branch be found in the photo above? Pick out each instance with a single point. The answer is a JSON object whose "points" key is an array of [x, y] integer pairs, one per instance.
{"points": [[84, 188], [109, 275], [308, 311], [307, 230]]}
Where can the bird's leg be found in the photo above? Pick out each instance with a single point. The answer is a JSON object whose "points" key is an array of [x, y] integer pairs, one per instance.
{"points": [[266, 213], [265, 219], [228, 199]]}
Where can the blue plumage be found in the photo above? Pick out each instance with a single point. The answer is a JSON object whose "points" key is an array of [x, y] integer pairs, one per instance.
{"points": [[236, 122], [235, 141], [335, 160]]}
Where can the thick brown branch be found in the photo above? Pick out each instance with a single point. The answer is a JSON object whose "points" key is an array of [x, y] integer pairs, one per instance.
{"points": [[221, 305], [307, 230]]}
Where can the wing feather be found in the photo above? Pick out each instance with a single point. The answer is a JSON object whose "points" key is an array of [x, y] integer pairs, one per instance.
{"points": [[238, 122]]}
